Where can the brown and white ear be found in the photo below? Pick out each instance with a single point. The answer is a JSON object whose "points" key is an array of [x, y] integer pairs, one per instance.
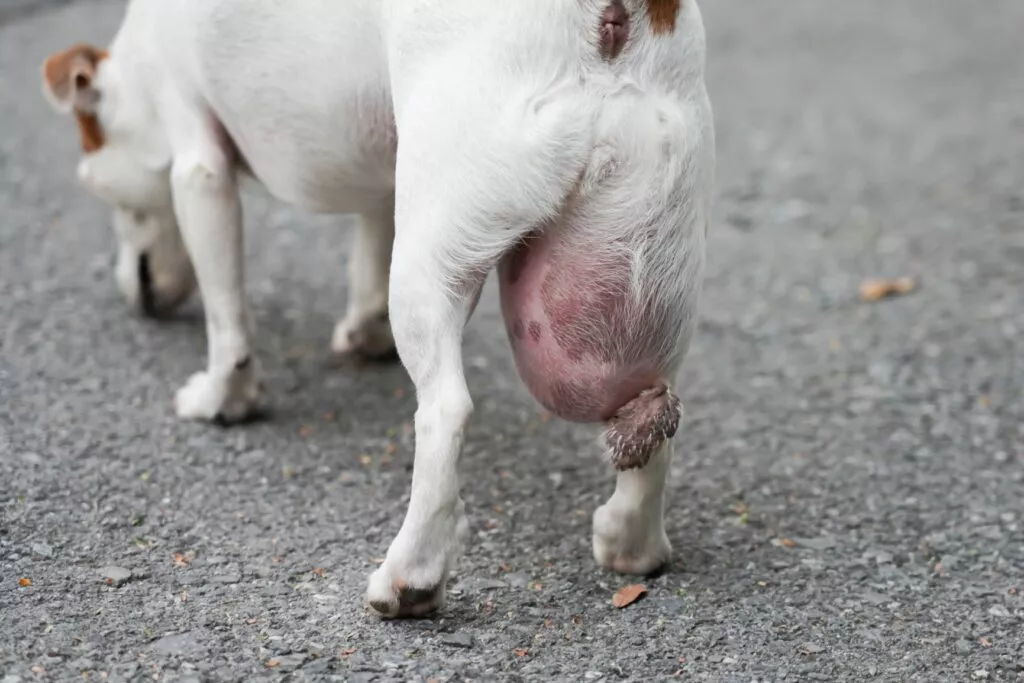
{"points": [[68, 78]]}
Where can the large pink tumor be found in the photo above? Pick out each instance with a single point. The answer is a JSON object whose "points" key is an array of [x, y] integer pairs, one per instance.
{"points": [[584, 346]]}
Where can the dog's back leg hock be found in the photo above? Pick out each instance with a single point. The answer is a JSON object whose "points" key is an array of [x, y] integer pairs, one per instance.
{"points": [[469, 186], [209, 211]]}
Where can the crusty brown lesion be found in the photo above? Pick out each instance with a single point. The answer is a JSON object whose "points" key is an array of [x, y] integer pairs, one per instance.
{"points": [[662, 15], [640, 426]]}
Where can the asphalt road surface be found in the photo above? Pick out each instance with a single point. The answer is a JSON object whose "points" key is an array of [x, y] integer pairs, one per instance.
{"points": [[847, 499]]}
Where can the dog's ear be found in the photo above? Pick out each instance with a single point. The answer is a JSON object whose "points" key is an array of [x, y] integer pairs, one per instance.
{"points": [[68, 78]]}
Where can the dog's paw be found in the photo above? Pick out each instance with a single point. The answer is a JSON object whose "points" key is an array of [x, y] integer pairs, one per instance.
{"points": [[629, 543], [411, 582], [219, 398], [392, 598], [368, 338]]}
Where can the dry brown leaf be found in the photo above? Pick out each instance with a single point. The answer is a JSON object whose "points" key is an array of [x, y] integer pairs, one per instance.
{"points": [[627, 595], [24, 582], [319, 571], [347, 652], [521, 651], [985, 642], [787, 542], [873, 290], [273, 663], [181, 560]]}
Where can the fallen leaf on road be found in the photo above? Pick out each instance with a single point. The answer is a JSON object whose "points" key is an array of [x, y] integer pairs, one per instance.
{"points": [[273, 663], [627, 595], [985, 642], [521, 651], [347, 651], [873, 290], [319, 571], [787, 542], [24, 582], [181, 560]]}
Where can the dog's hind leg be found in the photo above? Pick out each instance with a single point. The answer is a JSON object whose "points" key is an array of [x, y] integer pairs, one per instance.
{"points": [[479, 167], [366, 328]]}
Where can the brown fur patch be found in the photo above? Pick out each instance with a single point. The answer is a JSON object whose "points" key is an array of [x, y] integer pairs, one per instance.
{"points": [[67, 72], [90, 133], [662, 14]]}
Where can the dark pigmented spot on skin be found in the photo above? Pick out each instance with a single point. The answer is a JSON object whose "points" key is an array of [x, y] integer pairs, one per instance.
{"points": [[593, 320], [535, 330], [613, 30]]}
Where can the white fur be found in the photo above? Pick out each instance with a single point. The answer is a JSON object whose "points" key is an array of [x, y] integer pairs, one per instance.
{"points": [[507, 117]]}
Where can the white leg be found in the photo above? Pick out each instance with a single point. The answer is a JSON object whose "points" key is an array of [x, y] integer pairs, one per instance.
{"points": [[428, 324], [459, 207], [209, 211], [366, 328], [629, 530]]}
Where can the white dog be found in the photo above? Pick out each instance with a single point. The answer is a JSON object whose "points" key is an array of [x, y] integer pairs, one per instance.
{"points": [[568, 142]]}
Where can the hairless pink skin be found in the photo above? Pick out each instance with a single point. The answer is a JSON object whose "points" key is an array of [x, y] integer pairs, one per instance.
{"points": [[586, 350], [614, 30]]}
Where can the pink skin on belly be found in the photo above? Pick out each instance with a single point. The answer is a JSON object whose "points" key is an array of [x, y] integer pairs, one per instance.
{"points": [[578, 347]]}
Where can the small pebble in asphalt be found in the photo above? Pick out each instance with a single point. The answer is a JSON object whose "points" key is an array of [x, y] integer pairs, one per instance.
{"points": [[115, 576], [42, 550]]}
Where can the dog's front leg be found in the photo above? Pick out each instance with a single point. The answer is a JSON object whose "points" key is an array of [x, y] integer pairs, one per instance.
{"points": [[209, 210]]}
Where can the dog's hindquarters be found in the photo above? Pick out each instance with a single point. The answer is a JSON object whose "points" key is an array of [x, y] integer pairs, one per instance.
{"points": [[600, 304]]}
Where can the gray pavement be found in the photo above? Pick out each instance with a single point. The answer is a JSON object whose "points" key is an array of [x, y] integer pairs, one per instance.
{"points": [[848, 493]]}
